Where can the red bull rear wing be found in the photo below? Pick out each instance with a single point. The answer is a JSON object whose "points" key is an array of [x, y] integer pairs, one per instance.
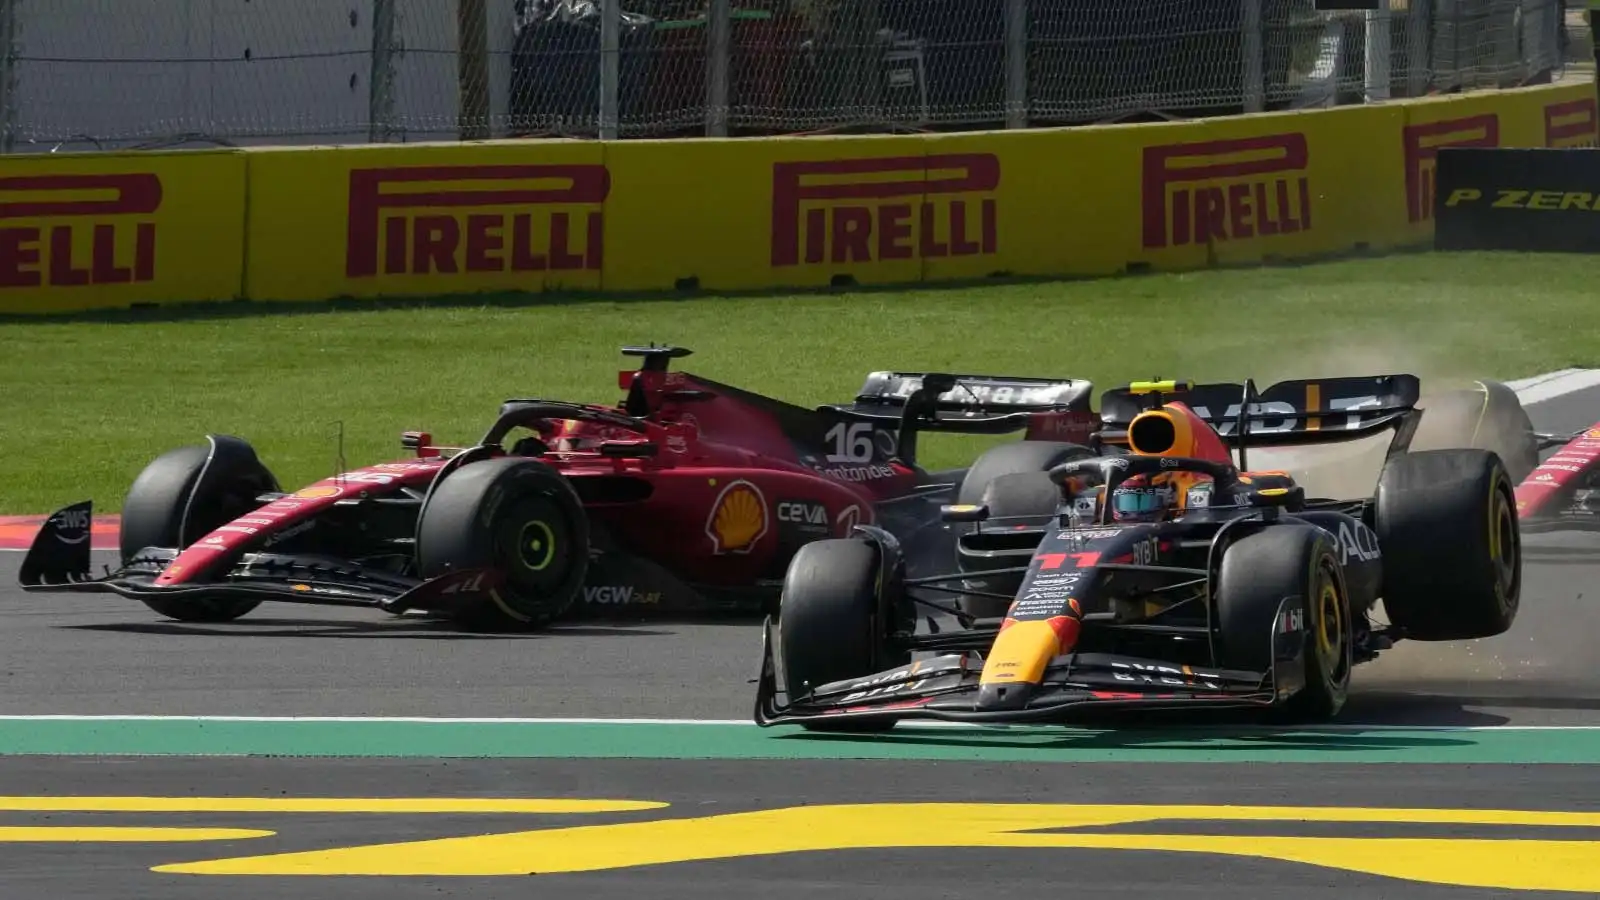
{"points": [[1321, 410]]}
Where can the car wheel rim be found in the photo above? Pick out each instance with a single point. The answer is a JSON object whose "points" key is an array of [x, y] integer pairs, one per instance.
{"points": [[537, 533], [1331, 631], [1504, 545], [537, 546]]}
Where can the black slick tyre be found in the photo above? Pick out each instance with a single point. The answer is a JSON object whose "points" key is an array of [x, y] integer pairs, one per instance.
{"points": [[1258, 572], [1488, 416], [832, 624], [1452, 549], [516, 516], [1012, 459], [183, 495]]}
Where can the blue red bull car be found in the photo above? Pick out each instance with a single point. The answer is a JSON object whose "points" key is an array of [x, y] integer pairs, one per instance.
{"points": [[1158, 572], [689, 494]]}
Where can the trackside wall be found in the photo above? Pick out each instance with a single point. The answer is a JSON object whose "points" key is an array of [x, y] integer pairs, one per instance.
{"points": [[106, 230]]}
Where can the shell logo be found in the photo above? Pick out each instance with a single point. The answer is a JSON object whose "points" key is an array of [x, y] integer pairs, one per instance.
{"points": [[1592, 433], [738, 518], [315, 493]]}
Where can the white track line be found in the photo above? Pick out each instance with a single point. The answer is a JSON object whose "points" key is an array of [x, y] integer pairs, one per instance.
{"points": [[1521, 384], [746, 723], [1552, 385]]}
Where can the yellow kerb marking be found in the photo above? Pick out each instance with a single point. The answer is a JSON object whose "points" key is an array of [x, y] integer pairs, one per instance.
{"points": [[1560, 865], [394, 805], [65, 834]]}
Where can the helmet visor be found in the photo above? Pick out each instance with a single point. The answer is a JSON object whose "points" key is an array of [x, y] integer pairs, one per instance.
{"points": [[1136, 502]]}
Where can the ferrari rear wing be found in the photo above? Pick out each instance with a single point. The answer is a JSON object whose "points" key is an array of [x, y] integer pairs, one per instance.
{"points": [[887, 393], [972, 404], [1316, 411]]}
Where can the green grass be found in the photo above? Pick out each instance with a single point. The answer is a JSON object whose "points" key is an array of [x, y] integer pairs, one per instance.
{"points": [[88, 403]]}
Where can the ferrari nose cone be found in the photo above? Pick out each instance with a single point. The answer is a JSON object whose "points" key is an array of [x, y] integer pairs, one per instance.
{"points": [[1005, 696]]}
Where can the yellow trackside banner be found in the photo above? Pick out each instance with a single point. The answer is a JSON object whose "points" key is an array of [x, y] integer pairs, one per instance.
{"points": [[304, 224], [1097, 201], [1560, 116], [426, 219], [1075, 201], [742, 213], [83, 232], [1063, 202]]}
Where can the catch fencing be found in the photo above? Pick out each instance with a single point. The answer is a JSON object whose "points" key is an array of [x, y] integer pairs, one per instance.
{"points": [[86, 74]]}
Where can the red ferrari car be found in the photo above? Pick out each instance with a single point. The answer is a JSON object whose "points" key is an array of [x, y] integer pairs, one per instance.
{"points": [[688, 495], [1563, 492]]}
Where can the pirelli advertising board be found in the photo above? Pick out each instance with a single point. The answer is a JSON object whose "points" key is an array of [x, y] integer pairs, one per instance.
{"points": [[375, 221], [755, 213], [107, 231], [304, 224]]}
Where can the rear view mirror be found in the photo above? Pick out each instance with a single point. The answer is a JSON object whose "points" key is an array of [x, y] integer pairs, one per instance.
{"points": [[964, 512], [1291, 497]]}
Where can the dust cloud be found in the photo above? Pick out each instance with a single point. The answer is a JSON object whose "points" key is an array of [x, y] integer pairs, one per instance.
{"points": [[1350, 469]]}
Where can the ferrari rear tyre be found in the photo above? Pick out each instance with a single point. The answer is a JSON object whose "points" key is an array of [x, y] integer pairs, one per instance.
{"points": [[182, 496], [1258, 572], [831, 624], [1452, 547], [520, 518]]}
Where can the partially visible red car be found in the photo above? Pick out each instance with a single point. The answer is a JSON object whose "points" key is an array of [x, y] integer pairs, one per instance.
{"points": [[688, 495]]}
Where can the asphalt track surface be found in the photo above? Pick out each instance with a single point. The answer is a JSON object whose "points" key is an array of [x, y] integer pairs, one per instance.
{"points": [[105, 656]]}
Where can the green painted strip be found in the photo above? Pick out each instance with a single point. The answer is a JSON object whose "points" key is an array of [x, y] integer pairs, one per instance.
{"points": [[513, 740]]}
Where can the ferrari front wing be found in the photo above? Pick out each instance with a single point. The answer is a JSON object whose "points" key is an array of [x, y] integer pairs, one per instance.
{"points": [[57, 565]]}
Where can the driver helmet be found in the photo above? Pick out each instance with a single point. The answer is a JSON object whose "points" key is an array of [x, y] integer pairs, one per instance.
{"points": [[1142, 498], [576, 436]]}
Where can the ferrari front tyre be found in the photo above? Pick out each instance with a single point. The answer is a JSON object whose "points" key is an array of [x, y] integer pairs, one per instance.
{"points": [[519, 518], [182, 496], [831, 624], [1452, 548], [1258, 572]]}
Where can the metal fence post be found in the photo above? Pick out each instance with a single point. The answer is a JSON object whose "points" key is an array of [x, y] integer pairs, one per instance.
{"points": [[610, 65], [1377, 47], [1016, 63], [1251, 46], [1419, 62], [380, 80], [1592, 17], [8, 75], [472, 36], [719, 51]]}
